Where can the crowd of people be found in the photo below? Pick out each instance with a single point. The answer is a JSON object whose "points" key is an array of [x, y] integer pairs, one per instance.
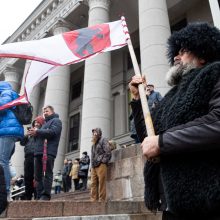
{"points": [[182, 168]]}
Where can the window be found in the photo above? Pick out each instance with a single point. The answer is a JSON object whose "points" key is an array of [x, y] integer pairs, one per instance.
{"points": [[76, 90], [74, 133], [179, 25], [138, 56]]}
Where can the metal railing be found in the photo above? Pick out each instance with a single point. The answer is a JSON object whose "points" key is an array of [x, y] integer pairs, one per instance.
{"points": [[18, 191]]}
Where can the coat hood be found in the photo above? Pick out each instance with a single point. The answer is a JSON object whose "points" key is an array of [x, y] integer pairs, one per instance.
{"points": [[98, 130], [201, 39]]}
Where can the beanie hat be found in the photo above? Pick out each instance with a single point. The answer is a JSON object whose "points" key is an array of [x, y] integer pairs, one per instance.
{"points": [[201, 39], [39, 119]]}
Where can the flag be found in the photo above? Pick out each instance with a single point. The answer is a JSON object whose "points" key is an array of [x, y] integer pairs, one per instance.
{"points": [[63, 49], [69, 47]]}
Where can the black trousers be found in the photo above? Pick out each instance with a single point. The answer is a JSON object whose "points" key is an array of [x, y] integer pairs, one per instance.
{"points": [[76, 184], [84, 180], [44, 180], [29, 176], [68, 183], [64, 179]]}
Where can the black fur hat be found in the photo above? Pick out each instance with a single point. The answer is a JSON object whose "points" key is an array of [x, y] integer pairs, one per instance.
{"points": [[201, 39]]}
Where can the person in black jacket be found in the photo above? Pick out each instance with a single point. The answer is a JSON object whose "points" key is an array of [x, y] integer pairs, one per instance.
{"points": [[30, 142], [84, 168], [50, 132], [182, 171], [3, 192]]}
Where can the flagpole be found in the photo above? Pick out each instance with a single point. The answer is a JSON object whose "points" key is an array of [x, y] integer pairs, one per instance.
{"points": [[144, 103]]}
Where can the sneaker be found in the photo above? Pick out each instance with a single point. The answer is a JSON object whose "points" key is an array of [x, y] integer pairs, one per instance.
{"points": [[9, 198]]}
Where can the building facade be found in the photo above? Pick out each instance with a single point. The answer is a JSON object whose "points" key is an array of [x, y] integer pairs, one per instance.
{"points": [[95, 93]]}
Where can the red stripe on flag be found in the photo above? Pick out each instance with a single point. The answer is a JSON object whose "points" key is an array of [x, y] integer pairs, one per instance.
{"points": [[27, 57], [19, 101]]}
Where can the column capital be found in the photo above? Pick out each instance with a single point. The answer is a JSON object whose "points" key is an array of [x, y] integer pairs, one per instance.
{"points": [[62, 26], [12, 76], [99, 3], [9, 68], [11, 72]]}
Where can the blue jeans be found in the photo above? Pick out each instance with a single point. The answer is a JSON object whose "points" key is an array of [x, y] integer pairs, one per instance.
{"points": [[57, 189], [7, 146]]}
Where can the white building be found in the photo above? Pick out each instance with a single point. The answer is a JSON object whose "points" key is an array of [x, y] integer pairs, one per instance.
{"points": [[95, 93]]}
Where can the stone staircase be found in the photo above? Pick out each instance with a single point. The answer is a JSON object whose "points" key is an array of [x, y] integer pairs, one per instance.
{"points": [[58, 210], [125, 190], [73, 196]]}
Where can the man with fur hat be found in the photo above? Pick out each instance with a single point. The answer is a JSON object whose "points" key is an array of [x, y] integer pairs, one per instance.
{"points": [[100, 156], [185, 184], [30, 143]]}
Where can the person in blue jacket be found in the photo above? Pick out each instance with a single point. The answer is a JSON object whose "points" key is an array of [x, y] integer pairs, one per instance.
{"points": [[10, 130]]}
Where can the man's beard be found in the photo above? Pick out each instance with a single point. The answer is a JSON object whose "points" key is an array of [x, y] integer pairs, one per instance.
{"points": [[95, 138], [176, 72]]}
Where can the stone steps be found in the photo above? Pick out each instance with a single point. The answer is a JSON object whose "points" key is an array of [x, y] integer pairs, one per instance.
{"points": [[108, 217], [28, 210], [74, 196]]}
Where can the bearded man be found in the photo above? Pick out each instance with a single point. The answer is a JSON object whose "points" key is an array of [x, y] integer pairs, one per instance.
{"points": [[100, 156], [185, 184]]}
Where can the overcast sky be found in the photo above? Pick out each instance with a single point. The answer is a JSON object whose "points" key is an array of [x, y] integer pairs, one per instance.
{"points": [[12, 15]]}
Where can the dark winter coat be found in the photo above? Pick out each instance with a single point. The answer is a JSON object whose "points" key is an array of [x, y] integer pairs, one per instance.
{"points": [[3, 192], [85, 160], [51, 131], [30, 144], [187, 121]]}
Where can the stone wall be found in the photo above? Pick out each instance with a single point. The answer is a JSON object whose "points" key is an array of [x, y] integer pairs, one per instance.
{"points": [[125, 174]]}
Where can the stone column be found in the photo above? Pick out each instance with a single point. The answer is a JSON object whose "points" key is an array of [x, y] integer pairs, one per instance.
{"points": [[215, 10], [97, 83], [12, 76], [34, 100], [154, 31], [57, 95]]}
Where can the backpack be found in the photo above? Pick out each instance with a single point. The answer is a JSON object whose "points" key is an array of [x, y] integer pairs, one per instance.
{"points": [[112, 144], [23, 113]]}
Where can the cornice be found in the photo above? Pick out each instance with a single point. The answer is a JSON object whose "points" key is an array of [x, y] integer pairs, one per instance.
{"points": [[43, 18], [40, 22]]}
